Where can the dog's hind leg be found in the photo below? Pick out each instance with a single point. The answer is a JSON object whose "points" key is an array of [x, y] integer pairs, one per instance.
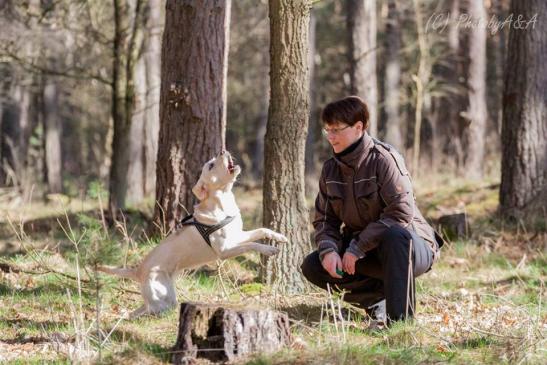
{"points": [[249, 246]]}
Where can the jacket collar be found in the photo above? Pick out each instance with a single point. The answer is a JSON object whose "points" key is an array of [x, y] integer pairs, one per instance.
{"points": [[355, 157]]}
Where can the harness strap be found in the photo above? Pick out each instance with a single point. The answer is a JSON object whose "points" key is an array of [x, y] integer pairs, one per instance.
{"points": [[205, 230]]}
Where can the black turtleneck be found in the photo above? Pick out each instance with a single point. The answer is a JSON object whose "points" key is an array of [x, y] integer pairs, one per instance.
{"points": [[350, 148]]}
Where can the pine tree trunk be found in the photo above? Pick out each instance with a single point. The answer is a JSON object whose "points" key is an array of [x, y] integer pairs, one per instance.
{"points": [[524, 128], [393, 78], [192, 102], [476, 114], [361, 21], [52, 129], [284, 203]]}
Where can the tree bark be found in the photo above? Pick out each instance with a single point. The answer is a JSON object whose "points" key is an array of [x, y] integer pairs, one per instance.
{"points": [[52, 145], [284, 202], [361, 23], [393, 78], [192, 102], [475, 115], [524, 128], [226, 334]]}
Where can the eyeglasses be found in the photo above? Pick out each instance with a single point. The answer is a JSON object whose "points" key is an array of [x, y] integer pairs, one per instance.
{"points": [[333, 131]]}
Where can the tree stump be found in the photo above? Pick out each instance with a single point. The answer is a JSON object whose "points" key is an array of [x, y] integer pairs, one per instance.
{"points": [[454, 226], [221, 334]]}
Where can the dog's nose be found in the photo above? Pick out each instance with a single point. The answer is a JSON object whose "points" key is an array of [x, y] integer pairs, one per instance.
{"points": [[222, 152]]}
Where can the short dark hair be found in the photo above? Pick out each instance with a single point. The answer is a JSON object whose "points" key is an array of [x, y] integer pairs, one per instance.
{"points": [[349, 110]]}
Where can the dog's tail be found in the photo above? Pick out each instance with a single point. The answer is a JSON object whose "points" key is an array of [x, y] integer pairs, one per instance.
{"points": [[128, 273]]}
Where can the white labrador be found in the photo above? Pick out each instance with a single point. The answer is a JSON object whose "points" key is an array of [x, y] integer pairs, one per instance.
{"points": [[187, 248]]}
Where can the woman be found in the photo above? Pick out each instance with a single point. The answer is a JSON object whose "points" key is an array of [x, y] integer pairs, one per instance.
{"points": [[372, 241]]}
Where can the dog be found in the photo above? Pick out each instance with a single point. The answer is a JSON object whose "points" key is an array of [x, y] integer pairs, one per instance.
{"points": [[214, 232]]}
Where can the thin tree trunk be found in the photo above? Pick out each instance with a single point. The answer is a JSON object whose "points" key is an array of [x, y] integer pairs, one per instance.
{"points": [[284, 202], [192, 102], [475, 116], [258, 157], [53, 130], [152, 56], [393, 78], [361, 22], [447, 132], [420, 79], [524, 130], [310, 165], [20, 144], [136, 173], [127, 33]]}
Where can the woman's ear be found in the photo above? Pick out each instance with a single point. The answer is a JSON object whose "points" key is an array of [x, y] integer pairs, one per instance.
{"points": [[200, 190]]}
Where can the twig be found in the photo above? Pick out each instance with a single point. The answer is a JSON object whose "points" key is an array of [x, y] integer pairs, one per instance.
{"points": [[494, 334]]}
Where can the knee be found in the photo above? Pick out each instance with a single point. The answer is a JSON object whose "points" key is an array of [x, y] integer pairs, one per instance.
{"points": [[309, 265], [395, 237]]}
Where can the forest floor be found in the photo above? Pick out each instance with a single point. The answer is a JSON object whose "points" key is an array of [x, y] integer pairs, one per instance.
{"points": [[484, 302]]}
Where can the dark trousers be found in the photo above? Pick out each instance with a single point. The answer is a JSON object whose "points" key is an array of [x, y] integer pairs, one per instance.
{"points": [[382, 274]]}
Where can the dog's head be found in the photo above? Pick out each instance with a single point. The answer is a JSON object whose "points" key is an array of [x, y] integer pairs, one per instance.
{"points": [[218, 173]]}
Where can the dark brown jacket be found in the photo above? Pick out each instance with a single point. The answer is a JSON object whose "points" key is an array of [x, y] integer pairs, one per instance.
{"points": [[366, 190]]}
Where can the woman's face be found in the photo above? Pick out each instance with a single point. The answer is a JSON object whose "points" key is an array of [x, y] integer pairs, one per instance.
{"points": [[341, 135]]}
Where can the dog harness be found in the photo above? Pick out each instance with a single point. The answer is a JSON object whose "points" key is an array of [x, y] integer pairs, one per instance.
{"points": [[204, 230]]}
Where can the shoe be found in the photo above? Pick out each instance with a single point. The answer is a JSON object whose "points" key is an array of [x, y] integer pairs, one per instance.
{"points": [[378, 316]]}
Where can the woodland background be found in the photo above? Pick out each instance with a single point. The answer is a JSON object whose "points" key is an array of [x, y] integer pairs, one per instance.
{"points": [[108, 109]]}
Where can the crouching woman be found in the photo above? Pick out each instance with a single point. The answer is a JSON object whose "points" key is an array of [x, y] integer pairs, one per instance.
{"points": [[372, 241]]}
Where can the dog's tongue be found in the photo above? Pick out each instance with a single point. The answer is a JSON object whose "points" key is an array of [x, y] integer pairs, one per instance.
{"points": [[231, 165]]}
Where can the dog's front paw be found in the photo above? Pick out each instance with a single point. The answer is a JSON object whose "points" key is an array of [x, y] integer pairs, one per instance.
{"points": [[270, 251], [280, 238]]}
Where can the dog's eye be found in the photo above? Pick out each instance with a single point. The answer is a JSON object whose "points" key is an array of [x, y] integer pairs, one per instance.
{"points": [[211, 165]]}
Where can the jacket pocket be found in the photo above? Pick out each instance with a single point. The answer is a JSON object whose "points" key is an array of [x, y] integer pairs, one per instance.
{"points": [[368, 201], [335, 195]]}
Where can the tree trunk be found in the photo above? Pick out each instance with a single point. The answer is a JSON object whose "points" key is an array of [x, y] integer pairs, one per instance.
{"points": [[192, 103], [524, 128], [284, 148], [393, 78], [361, 22], [53, 130], [222, 334], [258, 157], [475, 115], [446, 144], [20, 144], [127, 33], [152, 56], [136, 147], [310, 162]]}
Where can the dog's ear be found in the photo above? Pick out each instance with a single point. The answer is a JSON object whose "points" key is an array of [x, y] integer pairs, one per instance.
{"points": [[199, 190]]}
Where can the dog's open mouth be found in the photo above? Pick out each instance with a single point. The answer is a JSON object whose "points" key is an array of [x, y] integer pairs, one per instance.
{"points": [[231, 167]]}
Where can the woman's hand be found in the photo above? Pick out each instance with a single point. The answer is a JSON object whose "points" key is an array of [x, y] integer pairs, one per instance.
{"points": [[348, 263], [331, 262]]}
